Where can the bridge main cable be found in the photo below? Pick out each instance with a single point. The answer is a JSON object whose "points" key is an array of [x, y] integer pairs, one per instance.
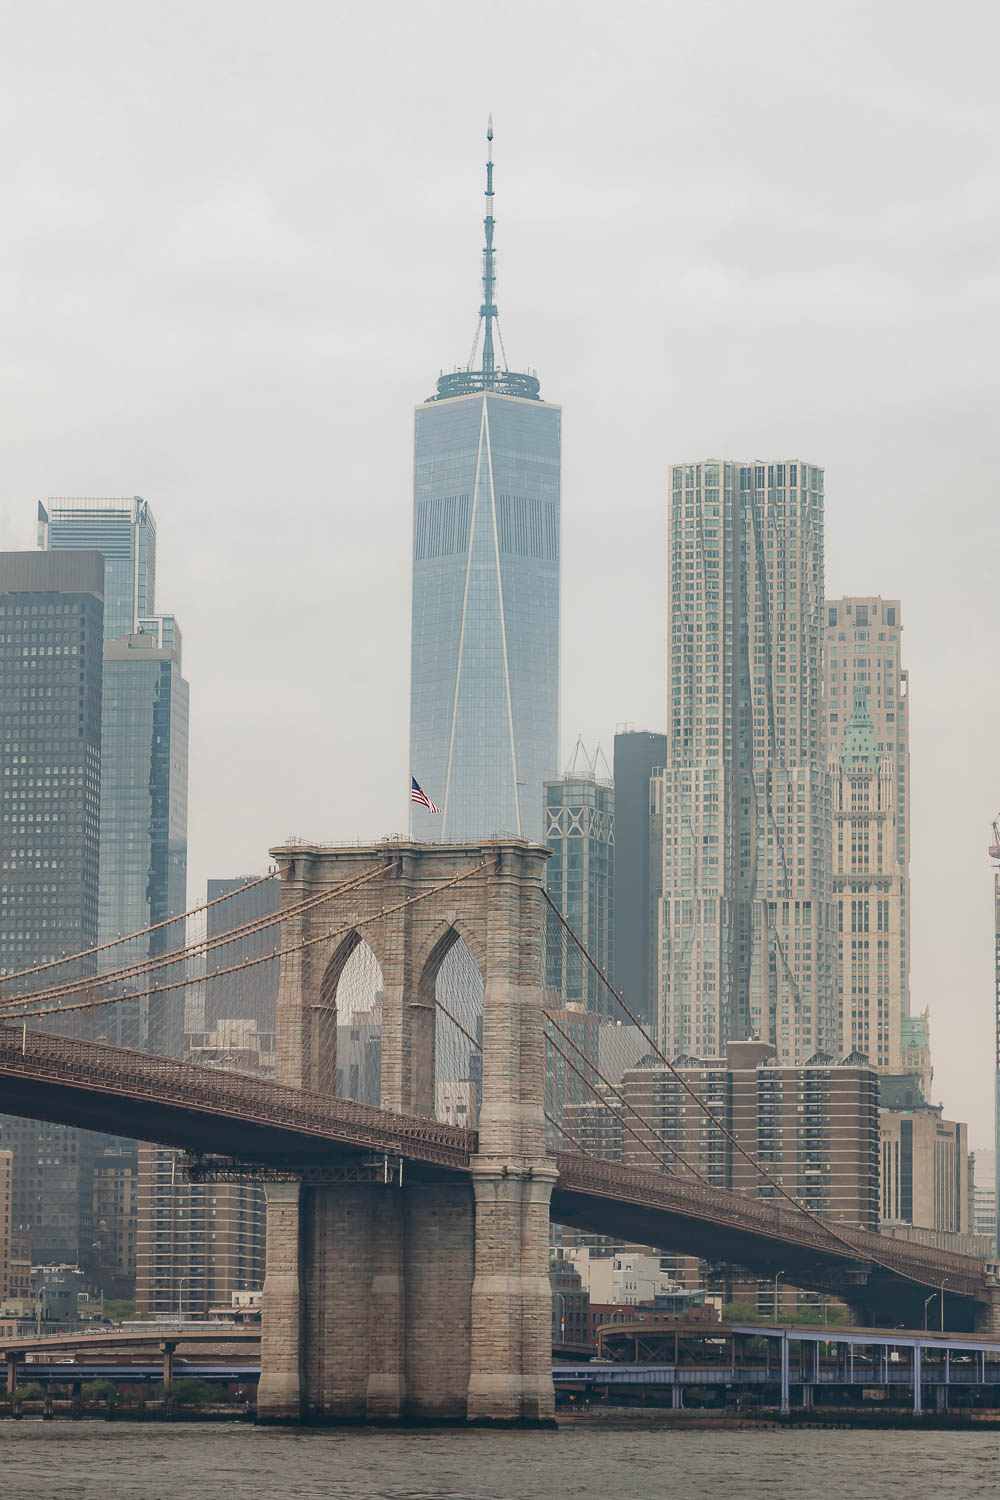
{"points": [[94, 1003], [200, 946], [129, 937]]}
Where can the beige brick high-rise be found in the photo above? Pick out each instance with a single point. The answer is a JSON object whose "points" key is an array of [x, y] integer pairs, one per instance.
{"points": [[863, 648], [867, 884]]}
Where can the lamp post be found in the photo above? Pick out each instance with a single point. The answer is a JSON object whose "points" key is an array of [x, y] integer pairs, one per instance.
{"points": [[927, 1303], [776, 1280]]}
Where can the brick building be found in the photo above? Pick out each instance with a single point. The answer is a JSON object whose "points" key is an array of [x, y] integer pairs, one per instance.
{"points": [[197, 1242]]}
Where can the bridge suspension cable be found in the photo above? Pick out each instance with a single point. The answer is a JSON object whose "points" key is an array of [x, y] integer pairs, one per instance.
{"points": [[141, 932], [728, 1135], [358, 922], [200, 946]]}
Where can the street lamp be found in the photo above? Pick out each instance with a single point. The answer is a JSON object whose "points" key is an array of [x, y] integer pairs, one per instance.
{"points": [[927, 1303], [651, 1282], [776, 1280]]}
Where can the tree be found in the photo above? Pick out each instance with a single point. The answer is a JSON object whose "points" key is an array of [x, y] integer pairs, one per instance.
{"points": [[102, 1390], [810, 1314], [118, 1309], [30, 1392], [186, 1392], [740, 1312]]}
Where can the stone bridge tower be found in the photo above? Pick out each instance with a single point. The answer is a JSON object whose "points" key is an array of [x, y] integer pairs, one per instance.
{"points": [[429, 1299]]}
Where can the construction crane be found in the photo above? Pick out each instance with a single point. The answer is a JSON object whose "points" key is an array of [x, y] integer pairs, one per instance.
{"points": [[995, 846]]}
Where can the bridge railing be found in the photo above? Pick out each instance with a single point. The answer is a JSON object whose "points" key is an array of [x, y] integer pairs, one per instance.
{"points": [[72, 1061]]}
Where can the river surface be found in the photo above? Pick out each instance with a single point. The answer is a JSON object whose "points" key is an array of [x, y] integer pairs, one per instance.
{"points": [[132, 1461]]}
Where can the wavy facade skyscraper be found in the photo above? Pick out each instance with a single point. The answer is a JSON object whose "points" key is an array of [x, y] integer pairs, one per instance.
{"points": [[484, 687], [747, 922]]}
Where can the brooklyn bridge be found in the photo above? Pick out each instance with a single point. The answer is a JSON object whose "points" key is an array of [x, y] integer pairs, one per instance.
{"points": [[407, 1258]]}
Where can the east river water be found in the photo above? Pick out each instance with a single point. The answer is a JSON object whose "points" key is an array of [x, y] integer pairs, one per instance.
{"points": [[131, 1461]]}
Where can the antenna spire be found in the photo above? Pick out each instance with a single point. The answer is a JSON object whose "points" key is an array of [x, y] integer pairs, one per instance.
{"points": [[493, 375], [488, 311]]}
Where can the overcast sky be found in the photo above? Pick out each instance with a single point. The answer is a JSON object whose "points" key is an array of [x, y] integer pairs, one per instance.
{"points": [[241, 240]]}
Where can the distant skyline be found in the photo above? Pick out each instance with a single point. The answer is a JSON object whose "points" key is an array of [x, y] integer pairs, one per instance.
{"points": [[235, 250]]}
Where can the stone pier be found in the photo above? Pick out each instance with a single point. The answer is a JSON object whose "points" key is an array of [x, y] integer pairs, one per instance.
{"points": [[427, 1300]]}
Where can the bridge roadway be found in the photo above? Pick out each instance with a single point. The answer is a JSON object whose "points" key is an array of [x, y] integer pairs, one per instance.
{"points": [[255, 1120]]}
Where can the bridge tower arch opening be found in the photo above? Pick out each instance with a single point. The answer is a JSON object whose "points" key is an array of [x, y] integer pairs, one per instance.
{"points": [[424, 1294], [452, 984], [347, 1024]]}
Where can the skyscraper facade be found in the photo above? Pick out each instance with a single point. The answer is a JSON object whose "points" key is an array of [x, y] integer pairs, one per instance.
{"points": [[638, 869], [124, 532], [747, 939], [51, 624], [867, 891], [258, 987], [484, 683], [580, 831], [863, 647], [196, 1242], [144, 758]]}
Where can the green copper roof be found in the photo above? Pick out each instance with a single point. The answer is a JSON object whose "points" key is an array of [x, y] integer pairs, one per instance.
{"points": [[861, 750]]}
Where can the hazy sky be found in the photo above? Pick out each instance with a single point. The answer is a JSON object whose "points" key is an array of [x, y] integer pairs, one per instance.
{"points": [[241, 240]]}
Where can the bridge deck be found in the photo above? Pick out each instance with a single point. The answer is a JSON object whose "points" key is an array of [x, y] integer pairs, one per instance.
{"points": [[196, 1108]]}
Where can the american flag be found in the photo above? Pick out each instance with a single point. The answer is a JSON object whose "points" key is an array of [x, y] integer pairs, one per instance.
{"points": [[417, 794]]}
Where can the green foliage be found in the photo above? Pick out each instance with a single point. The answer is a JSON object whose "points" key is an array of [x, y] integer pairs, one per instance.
{"points": [[102, 1390], [30, 1392], [118, 1309], [740, 1312], [809, 1314], [187, 1392]]}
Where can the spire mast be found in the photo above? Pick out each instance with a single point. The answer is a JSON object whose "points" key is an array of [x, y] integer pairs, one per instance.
{"points": [[488, 311]]}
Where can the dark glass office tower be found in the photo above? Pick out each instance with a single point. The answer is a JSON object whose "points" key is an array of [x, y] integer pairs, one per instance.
{"points": [[51, 625], [144, 782], [51, 614], [638, 869], [484, 690]]}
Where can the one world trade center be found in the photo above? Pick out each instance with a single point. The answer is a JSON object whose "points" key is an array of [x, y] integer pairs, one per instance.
{"points": [[484, 686]]}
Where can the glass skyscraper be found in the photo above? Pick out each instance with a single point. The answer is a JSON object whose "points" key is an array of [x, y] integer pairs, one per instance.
{"points": [[144, 747], [484, 686], [51, 625], [51, 611], [580, 878], [124, 531]]}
